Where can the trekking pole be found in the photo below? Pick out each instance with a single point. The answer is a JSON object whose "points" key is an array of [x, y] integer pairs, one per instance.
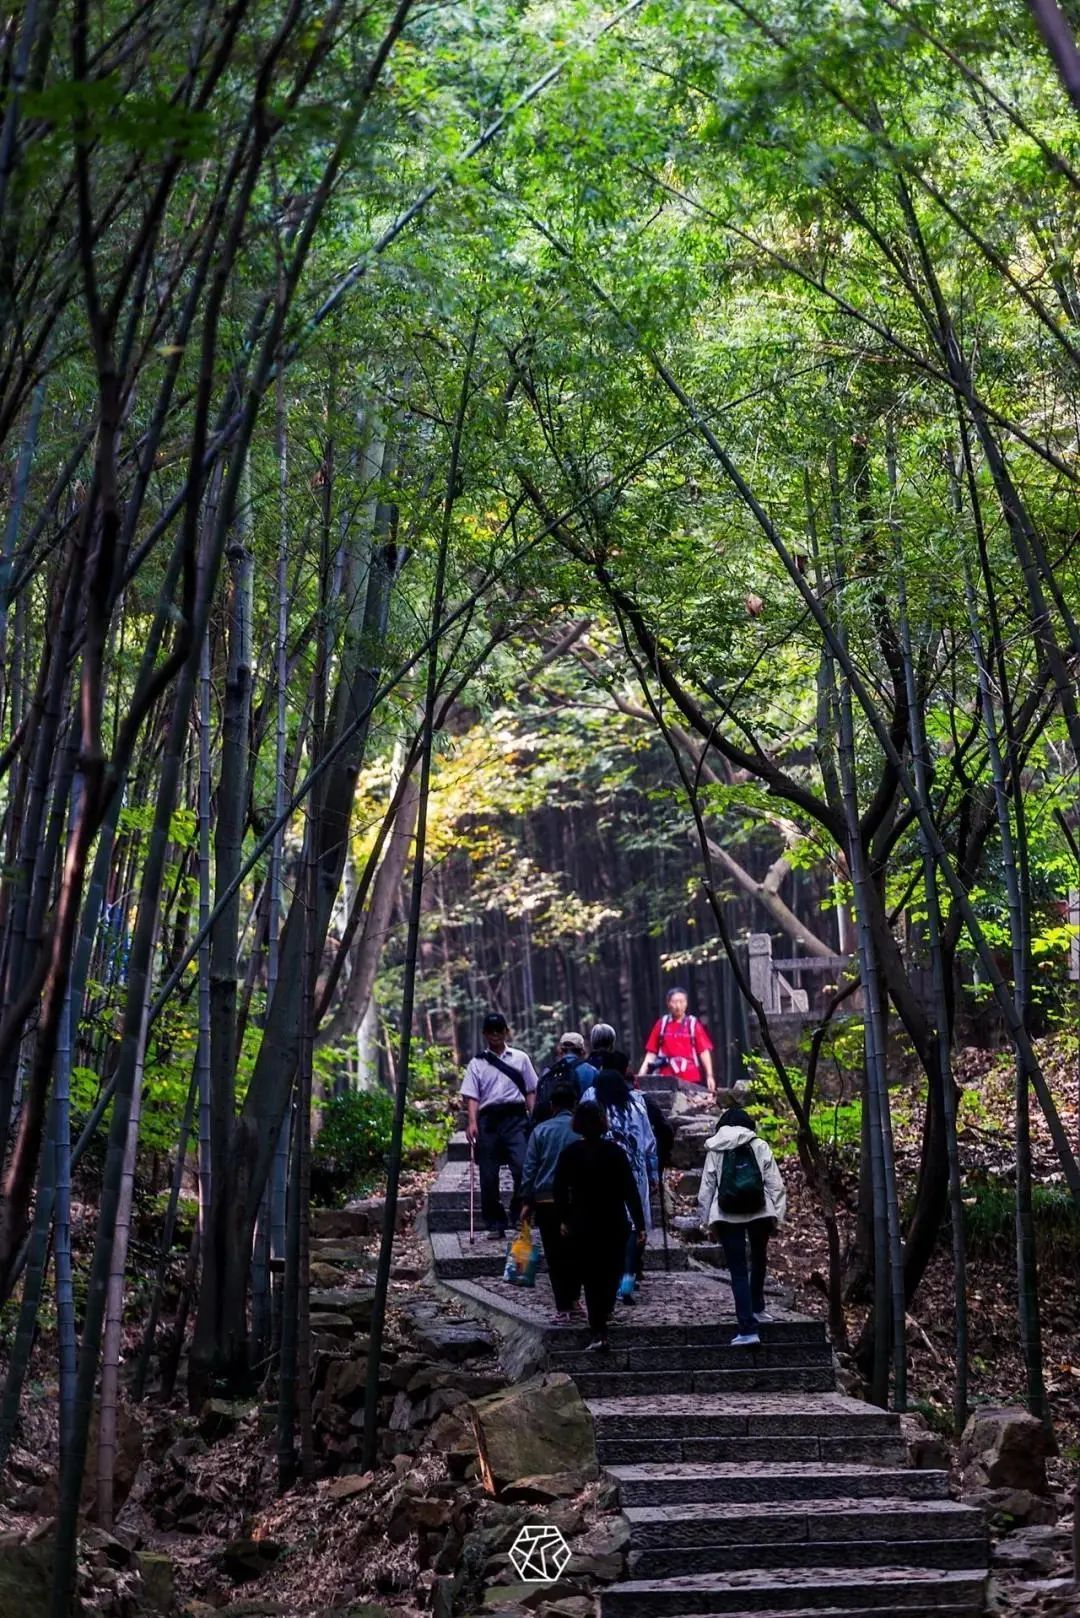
{"points": [[472, 1194], [663, 1217]]}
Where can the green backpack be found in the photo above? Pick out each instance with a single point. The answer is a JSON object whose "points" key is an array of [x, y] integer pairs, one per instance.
{"points": [[742, 1189]]}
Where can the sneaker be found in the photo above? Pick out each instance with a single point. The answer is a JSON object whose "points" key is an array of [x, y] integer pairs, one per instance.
{"points": [[746, 1339], [495, 1234], [598, 1345], [763, 1317]]}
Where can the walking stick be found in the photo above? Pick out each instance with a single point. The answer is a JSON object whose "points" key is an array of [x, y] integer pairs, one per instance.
{"points": [[663, 1217], [472, 1194]]}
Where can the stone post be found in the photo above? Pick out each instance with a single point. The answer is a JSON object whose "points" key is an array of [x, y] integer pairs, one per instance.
{"points": [[762, 977]]}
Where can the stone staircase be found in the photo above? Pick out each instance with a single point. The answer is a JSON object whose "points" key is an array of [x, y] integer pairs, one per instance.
{"points": [[751, 1486], [448, 1216]]}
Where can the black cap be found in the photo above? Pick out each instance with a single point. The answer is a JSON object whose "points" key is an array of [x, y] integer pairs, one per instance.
{"points": [[494, 1023]]}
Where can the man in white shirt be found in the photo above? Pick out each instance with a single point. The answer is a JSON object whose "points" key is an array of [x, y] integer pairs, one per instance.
{"points": [[499, 1090]]}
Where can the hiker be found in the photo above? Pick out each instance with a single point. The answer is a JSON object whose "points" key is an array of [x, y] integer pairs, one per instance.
{"points": [[742, 1202], [570, 1066], [499, 1089], [629, 1127], [594, 1189], [601, 1039], [545, 1147], [664, 1136], [680, 1044]]}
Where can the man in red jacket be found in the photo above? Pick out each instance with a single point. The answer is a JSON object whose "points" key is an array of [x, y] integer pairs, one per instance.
{"points": [[679, 1044]]}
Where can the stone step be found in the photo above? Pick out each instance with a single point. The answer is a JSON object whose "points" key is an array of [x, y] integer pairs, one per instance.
{"points": [[600, 1384], [455, 1260], [965, 1610], [875, 1450], [698, 1357], [490, 1263], [783, 1527], [658, 1484], [674, 1561], [666, 1416], [880, 1591]]}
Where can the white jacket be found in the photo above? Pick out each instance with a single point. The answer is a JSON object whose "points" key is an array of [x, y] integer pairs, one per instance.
{"points": [[725, 1139]]}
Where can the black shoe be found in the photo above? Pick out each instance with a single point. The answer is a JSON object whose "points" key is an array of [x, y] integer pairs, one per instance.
{"points": [[495, 1233]]}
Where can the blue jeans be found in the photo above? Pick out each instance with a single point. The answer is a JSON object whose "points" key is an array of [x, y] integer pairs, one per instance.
{"points": [[747, 1278]]}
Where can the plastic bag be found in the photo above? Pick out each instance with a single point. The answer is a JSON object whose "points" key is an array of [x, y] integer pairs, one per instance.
{"points": [[522, 1257]]}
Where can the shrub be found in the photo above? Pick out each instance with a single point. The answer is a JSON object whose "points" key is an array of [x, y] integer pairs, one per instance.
{"points": [[990, 1220], [354, 1139]]}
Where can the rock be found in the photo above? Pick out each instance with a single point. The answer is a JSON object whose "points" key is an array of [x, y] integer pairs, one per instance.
{"points": [[473, 1384], [407, 1272], [502, 1597], [413, 1368], [689, 1183], [356, 1303], [569, 1520], [182, 1449], [347, 1488], [927, 1452], [449, 1432], [374, 1209], [102, 1549], [220, 1417], [127, 1463], [1013, 1508], [688, 1148], [129, 1454], [609, 1535], [330, 1323], [156, 1572], [401, 1416], [436, 1403], [346, 1382], [1005, 1449], [326, 1250], [25, 1576], [568, 1607], [534, 1429], [547, 1486], [1023, 1553], [423, 1512], [255, 1607], [340, 1224], [244, 1559], [455, 1342], [604, 1569], [325, 1275]]}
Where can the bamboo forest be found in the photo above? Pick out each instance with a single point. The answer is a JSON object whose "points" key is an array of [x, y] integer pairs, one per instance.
{"points": [[539, 820]]}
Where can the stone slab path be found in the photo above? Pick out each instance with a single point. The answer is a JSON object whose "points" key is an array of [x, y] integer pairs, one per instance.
{"points": [[750, 1484]]}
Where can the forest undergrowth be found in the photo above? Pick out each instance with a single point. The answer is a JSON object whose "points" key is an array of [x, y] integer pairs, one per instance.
{"points": [[985, 1078]]}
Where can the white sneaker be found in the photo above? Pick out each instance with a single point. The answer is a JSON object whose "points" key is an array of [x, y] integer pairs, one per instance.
{"points": [[746, 1339], [764, 1318]]}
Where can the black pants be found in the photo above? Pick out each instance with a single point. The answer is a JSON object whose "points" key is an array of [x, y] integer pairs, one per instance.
{"points": [[559, 1257], [501, 1137], [747, 1279], [600, 1259]]}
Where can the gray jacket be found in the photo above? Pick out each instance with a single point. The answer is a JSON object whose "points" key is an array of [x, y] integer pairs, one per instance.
{"points": [[541, 1155], [727, 1137]]}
